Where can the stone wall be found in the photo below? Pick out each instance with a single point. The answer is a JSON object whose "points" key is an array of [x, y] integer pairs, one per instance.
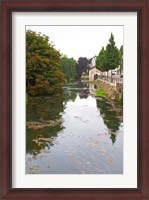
{"points": [[119, 90], [114, 92]]}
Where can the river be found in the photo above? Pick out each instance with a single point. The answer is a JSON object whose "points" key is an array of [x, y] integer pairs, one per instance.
{"points": [[87, 137]]}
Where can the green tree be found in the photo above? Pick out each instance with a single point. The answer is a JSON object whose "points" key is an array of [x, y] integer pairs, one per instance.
{"points": [[121, 59], [100, 60], [68, 67], [112, 59], [43, 75]]}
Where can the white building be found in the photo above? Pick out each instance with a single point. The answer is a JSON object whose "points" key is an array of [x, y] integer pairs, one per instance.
{"points": [[92, 62]]}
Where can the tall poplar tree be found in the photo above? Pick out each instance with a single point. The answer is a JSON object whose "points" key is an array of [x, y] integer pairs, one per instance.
{"points": [[112, 59], [100, 60]]}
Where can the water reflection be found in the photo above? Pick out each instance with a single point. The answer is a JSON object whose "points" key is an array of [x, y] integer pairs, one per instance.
{"points": [[92, 88], [32, 134], [41, 109], [85, 124], [44, 108], [111, 115]]}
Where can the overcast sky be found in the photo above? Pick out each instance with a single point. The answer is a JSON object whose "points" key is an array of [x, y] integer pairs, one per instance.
{"points": [[80, 41]]}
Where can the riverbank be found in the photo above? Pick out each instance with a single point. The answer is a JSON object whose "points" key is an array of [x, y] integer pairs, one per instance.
{"points": [[113, 92]]}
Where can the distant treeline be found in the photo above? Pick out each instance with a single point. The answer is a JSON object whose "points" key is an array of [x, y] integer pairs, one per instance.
{"points": [[68, 67]]}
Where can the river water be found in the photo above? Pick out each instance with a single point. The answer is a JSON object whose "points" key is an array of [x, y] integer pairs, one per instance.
{"points": [[87, 138]]}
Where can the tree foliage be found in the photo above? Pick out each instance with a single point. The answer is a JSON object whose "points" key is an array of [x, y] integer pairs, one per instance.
{"points": [[81, 66], [43, 75], [100, 60], [121, 58], [110, 57], [68, 67]]}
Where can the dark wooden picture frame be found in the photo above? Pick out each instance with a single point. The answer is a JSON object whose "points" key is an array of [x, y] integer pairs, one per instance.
{"points": [[142, 9]]}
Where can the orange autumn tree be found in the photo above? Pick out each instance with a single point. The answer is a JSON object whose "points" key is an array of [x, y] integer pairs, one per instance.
{"points": [[43, 75]]}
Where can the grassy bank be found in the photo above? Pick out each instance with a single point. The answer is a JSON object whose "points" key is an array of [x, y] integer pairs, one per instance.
{"points": [[100, 93]]}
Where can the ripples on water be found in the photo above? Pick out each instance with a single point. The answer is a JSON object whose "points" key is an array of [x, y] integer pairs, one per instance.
{"points": [[88, 139]]}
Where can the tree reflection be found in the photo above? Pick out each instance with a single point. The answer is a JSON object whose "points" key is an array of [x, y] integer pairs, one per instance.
{"points": [[48, 132], [42, 109], [111, 117]]}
